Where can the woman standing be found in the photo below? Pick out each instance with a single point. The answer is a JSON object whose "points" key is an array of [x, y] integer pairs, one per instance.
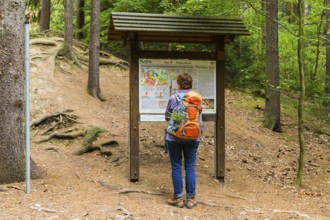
{"points": [[182, 148]]}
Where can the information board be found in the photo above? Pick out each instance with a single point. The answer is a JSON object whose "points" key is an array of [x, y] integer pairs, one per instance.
{"points": [[157, 82]]}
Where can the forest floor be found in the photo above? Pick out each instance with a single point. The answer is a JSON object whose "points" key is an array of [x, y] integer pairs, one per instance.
{"points": [[261, 165]]}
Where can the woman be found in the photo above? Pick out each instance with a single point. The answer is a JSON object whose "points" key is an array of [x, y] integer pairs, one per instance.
{"points": [[178, 147]]}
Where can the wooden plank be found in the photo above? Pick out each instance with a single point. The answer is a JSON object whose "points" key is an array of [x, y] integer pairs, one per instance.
{"points": [[175, 34], [192, 31], [171, 16], [177, 28], [220, 106], [209, 117], [179, 22], [177, 55], [183, 26], [176, 39], [134, 165]]}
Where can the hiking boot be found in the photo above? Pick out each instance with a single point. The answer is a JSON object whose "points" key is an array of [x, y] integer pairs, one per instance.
{"points": [[178, 202], [191, 203]]}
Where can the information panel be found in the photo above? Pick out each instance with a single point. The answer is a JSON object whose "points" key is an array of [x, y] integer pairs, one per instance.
{"points": [[158, 82]]}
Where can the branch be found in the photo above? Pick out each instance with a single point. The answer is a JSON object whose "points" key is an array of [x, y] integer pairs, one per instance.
{"points": [[126, 191], [263, 14]]}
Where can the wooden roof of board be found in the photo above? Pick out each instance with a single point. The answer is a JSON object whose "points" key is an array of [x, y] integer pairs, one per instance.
{"points": [[174, 28]]}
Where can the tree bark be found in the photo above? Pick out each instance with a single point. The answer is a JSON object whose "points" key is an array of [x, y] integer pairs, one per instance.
{"points": [[68, 33], [302, 95], [318, 44], [45, 15], [272, 115], [80, 20], [326, 102], [12, 132], [93, 86]]}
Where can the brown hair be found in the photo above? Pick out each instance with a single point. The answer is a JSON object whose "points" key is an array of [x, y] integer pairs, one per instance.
{"points": [[184, 81]]}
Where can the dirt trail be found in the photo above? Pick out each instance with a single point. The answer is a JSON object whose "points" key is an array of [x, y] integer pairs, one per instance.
{"points": [[260, 165]]}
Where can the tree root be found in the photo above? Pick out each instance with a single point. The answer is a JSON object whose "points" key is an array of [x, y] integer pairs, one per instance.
{"points": [[92, 148], [54, 117], [105, 61], [79, 52], [62, 136], [109, 143], [43, 41], [97, 94], [70, 54], [87, 146]]}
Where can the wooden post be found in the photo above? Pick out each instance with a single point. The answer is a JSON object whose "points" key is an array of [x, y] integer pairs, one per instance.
{"points": [[133, 109], [219, 129]]}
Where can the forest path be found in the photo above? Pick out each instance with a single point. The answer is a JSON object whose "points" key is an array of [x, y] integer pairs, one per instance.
{"points": [[260, 164]]}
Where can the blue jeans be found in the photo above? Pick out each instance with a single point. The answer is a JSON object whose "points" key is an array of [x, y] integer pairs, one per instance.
{"points": [[189, 150]]}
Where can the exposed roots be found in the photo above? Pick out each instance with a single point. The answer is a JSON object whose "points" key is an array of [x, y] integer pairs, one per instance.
{"points": [[87, 146], [62, 136], [78, 53], [56, 120], [91, 135], [56, 126]]}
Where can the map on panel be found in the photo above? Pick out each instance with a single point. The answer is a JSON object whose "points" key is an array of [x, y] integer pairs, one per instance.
{"points": [[157, 82]]}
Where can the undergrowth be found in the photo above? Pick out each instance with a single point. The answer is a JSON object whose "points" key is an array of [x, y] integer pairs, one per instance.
{"points": [[316, 116]]}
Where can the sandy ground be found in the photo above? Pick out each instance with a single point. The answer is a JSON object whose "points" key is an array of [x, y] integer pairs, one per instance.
{"points": [[260, 165]]}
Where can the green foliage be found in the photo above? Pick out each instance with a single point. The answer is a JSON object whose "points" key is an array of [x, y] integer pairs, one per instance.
{"points": [[177, 116], [243, 66], [57, 16], [245, 56], [32, 7], [143, 6]]}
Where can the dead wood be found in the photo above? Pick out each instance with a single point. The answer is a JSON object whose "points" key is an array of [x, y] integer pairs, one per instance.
{"points": [[14, 187], [236, 197], [38, 207], [126, 191], [110, 186], [87, 145]]}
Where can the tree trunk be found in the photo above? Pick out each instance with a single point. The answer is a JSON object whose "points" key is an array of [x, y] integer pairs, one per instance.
{"points": [[326, 102], [318, 44], [93, 86], [272, 116], [68, 33], [80, 20], [45, 15], [302, 95], [292, 14], [12, 132]]}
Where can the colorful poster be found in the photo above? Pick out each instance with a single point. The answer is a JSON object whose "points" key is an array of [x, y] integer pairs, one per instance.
{"points": [[158, 82]]}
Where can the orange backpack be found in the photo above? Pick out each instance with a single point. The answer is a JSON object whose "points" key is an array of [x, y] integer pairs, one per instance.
{"points": [[186, 116]]}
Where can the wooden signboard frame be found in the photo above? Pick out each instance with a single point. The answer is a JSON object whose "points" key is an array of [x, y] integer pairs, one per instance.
{"points": [[219, 117], [134, 28]]}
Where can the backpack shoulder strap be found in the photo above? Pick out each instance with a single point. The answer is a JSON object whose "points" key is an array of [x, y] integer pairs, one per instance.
{"points": [[179, 101]]}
